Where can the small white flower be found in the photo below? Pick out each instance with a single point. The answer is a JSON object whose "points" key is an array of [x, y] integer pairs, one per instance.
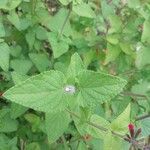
{"points": [[70, 89]]}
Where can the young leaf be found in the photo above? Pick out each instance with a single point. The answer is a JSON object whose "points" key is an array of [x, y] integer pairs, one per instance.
{"points": [[97, 87], [84, 10], [65, 2], [56, 124], [4, 56], [76, 65], [43, 92], [59, 46], [120, 124], [40, 60], [145, 124]]}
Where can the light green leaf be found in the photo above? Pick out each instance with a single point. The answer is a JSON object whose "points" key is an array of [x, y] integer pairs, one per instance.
{"points": [[84, 10], [43, 92], [32, 146], [115, 23], [76, 65], [113, 52], [19, 23], [4, 56], [59, 46], [120, 124], [41, 33], [2, 30], [134, 3], [146, 32], [30, 38], [97, 87], [99, 121], [9, 4], [142, 57], [40, 60], [21, 66], [6, 123], [57, 21], [112, 143], [65, 2], [56, 124]]}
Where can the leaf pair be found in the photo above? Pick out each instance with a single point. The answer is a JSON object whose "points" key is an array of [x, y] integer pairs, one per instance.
{"points": [[46, 91]]}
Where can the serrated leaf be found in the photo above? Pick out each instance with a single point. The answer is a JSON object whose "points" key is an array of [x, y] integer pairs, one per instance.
{"points": [[43, 92], [120, 124], [86, 10], [97, 87], [56, 124], [4, 56], [76, 65]]}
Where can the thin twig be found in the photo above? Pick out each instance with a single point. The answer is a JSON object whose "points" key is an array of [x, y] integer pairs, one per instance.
{"points": [[142, 117], [134, 94], [65, 21]]}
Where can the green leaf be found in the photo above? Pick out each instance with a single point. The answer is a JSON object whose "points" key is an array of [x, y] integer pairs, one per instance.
{"points": [[115, 24], [6, 123], [111, 142], [56, 124], [59, 46], [32, 146], [84, 10], [99, 121], [145, 125], [57, 22], [120, 124], [142, 57], [76, 65], [4, 56], [40, 60], [65, 2], [41, 33], [19, 23], [146, 32], [43, 92], [21, 66], [113, 52], [2, 30], [9, 4], [97, 87], [134, 3]]}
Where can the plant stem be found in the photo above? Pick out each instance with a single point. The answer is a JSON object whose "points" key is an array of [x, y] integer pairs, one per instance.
{"points": [[65, 21], [95, 125], [134, 94], [142, 117], [64, 142]]}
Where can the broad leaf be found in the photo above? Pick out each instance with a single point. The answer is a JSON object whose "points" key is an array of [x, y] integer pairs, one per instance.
{"points": [[76, 65], [56, 124], [65, 2], [120, 124], [43, 92], [97, 87], [84, 10], [59, 46]]}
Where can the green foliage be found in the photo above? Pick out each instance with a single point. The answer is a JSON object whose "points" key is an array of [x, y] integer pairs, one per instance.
{"points": [[74, 74]]}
